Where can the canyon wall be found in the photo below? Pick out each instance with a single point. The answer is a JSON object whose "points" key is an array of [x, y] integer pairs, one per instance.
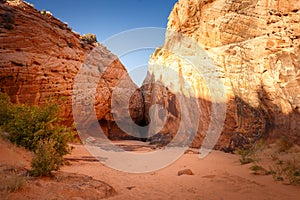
{"points": [[40, 57], [254, 47], [227, 66]]}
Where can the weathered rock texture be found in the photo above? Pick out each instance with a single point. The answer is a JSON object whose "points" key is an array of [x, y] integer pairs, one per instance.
{"points": [[40, 57], [255, 47], [103, 92]]}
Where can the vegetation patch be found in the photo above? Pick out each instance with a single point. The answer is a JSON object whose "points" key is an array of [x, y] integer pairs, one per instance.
{"points": [[249, 153], [282, 159], [46, 13], [286, 170], [39, 130], [88, 39], [10, 180]]}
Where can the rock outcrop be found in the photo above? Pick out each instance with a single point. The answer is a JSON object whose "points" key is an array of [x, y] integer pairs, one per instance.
{"points": [[223, 60], [41, 56], [255, 48]]}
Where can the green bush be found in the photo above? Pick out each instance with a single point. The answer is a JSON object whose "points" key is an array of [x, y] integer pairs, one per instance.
{"points": [[256, 168], [46, 159], [27, 125], [5, 109], [293, 171], [31, 126], [248, 154], [245, 156], [287, 170], [45, 12], [89, 38]]}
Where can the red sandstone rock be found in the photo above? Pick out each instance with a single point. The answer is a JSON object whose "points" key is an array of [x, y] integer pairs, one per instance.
{"points": [[41, 56]]}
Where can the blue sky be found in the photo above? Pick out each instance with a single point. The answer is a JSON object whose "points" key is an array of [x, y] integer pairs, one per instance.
{"points": [[106, 18]]}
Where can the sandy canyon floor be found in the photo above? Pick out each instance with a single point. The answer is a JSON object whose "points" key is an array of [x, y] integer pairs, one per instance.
{"points": [[218, 176]]}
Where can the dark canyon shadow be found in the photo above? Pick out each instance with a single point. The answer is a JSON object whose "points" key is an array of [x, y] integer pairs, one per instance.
{"points": [[243, 126]]}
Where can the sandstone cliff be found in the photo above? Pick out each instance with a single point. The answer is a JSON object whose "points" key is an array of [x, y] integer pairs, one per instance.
{"points": [[231, 60], [41, 56], [254, 46]]}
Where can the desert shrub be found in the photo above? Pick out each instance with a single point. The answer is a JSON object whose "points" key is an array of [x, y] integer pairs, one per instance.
{"points": [[277, 173], [5, 109], [45, 12], [31, 126], [89, 38], [282, 157], [259, 170], [293, 171], [27, 125], [256, 168], [248, 154], [288, 170], [11, 182], [46, 159], [245, 156]]}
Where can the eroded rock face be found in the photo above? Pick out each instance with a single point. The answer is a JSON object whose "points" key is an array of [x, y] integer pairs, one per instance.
{"points": [[40, 58], [102, 79], [39, 55], [254, 46]]}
